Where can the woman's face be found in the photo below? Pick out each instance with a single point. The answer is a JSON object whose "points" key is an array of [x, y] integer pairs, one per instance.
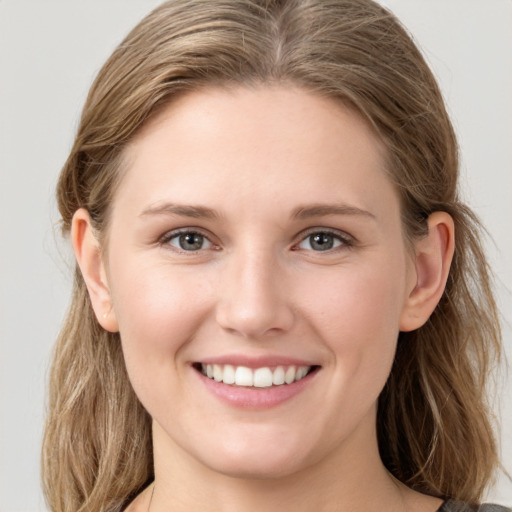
{"points": [[255, 236]]}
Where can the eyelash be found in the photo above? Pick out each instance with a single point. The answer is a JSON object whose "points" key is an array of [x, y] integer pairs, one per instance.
{"points": [[166, 239], [345, 241]]}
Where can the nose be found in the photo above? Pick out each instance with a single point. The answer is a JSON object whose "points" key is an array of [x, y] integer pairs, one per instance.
{"points": [[253, 299]]}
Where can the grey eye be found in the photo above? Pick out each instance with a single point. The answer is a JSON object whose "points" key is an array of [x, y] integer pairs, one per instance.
{"points": [[321, 241], [190, 241]]}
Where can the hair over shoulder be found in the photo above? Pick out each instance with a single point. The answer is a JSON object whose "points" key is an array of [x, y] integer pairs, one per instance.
{"points": [[434, 426]]}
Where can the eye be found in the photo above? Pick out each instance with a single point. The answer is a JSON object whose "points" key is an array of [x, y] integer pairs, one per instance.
{"points": [[188, 241], [323, 241]]}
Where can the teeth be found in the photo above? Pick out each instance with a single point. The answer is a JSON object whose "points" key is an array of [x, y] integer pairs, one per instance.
{"points": [[278, 376], [243, 376], [229, 374], [301, 373], [289, 376], [218, 374], [260, 377]]}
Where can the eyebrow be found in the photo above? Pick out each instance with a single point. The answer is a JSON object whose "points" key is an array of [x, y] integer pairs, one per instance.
{"points": [[182, 210], [320, 210], [301, 212]]}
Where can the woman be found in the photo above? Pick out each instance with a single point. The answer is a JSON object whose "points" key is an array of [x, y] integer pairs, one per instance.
{"points": [[280, 301]]}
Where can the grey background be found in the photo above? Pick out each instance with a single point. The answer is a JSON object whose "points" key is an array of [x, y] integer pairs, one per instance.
{"points": [[49, 53]]}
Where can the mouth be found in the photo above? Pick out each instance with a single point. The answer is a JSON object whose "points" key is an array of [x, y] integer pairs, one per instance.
{"points": [[263, 377]]}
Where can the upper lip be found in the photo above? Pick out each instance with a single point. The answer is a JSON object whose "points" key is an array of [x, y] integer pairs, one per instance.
{"points": [[257, 361]]}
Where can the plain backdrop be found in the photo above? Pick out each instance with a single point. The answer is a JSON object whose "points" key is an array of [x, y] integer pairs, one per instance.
{"points": [[49, 53]]}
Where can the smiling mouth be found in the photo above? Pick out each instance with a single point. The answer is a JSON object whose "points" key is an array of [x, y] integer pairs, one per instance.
{"points": [[264, 377]]}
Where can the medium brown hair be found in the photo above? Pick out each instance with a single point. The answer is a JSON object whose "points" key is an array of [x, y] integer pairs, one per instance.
{"points": [[433, 420]]}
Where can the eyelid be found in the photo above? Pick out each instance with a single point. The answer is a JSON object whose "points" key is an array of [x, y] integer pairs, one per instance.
{"points": [[173, 233], [346, 239]]}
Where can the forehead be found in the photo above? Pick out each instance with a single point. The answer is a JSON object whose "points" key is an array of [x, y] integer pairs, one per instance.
{"points": [[259, 111], [268, 142]]}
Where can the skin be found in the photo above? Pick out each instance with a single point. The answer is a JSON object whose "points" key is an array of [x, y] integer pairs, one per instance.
{"points": [[255, 158]]}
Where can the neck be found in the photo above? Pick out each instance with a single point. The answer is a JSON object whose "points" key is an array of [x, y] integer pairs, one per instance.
{"points": [[351, 478]]}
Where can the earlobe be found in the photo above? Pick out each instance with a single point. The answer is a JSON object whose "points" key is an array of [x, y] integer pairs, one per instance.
{"points": [[433, 257], [89, 258]]}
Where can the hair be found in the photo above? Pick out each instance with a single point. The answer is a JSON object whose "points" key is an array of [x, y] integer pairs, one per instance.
{"points": [[434, 427]]}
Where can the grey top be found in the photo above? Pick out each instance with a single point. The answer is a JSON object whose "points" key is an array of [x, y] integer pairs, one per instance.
{"points": [[457, 506]]}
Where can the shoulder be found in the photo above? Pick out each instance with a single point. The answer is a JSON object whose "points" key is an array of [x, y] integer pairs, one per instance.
{"points": [[458, 506]]}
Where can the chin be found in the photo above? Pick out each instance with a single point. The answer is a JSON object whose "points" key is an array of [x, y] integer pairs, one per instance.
{"points": [[255, 469], [256, 457]]}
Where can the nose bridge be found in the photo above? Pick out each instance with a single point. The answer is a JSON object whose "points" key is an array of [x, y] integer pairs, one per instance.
{"points": [[253, 300]]}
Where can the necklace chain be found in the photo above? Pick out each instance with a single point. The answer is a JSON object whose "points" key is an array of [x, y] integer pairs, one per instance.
{"points": [[151, 497]]}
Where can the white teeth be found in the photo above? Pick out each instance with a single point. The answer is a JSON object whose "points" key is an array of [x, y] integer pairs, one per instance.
{"points": [[301, 372], [289, 376], [260, 377], [217, 373], [278, 376], [229, 374], [243, 376]]}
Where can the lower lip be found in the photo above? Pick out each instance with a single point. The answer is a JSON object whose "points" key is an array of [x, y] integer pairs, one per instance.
{"points": [[255, 398]]}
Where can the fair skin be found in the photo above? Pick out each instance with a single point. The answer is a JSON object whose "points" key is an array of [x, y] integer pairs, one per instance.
{"points": [[257, 228]]}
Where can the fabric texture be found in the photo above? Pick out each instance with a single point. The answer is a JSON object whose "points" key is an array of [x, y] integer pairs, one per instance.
{"points": [[458, 506]]}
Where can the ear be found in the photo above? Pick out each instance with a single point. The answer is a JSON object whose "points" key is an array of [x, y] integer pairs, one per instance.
{"points": [[89, 257], [433, 257]]}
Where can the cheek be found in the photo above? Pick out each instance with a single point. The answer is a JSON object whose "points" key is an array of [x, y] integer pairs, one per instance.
{"points": [[357, 312], [154, 302], [158, 312], [355, 303]]}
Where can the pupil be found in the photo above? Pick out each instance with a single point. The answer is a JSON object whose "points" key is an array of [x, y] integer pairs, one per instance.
{"points": [[191, 241], [321, 241]]}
